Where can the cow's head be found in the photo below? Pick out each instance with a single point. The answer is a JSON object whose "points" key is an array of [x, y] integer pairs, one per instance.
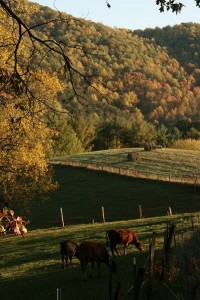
{"points": [[139, 245]]}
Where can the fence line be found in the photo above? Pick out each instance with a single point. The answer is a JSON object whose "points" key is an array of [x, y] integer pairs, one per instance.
{"points": [[194, 179]]}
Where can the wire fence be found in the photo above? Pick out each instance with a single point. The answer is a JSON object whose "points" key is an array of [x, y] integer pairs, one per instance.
{"points": [[193, 179]]}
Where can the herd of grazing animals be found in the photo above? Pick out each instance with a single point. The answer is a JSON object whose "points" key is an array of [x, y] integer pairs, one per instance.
{"points": [[93, 252]]}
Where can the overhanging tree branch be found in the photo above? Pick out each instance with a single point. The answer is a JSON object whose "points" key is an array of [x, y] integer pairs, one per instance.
{"points": [[172, 5], [52, 47]]}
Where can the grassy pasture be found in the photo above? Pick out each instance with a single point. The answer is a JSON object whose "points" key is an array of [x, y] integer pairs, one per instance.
{"points": [[176, 162], [30, 268], [83, 192]]}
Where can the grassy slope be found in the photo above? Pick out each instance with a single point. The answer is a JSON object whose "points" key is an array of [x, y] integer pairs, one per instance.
{"points": [[83, 192], [176, 162], [31, 269]]}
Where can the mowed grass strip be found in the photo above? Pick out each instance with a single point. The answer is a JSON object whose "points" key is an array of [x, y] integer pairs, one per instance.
{"points": [[30, 268], [176, 162]]}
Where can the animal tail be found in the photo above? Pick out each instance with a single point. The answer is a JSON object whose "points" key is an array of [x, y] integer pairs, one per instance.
{"points": [[107, 240], [62, 251]]}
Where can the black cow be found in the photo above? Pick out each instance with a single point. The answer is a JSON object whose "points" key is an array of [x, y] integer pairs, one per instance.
{"points": [[68, 249]]}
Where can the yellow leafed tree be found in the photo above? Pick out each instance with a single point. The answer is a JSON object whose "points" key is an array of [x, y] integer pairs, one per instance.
{"points": [[24, 137]]}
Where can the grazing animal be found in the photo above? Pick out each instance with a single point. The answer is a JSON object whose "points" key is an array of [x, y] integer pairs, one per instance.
{"points": [[122, 236], [68, 249], [91, 252]]}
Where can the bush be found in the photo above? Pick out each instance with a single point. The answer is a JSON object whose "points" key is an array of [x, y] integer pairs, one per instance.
{"points": [[10, 223], [189, 144], [151, 146]]}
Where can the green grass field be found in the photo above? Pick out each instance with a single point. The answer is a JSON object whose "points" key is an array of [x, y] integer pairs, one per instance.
{"points": [[30, 268], [82, 194]]}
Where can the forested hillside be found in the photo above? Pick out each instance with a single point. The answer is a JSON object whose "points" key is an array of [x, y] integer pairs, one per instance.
{"points": [[137, 79], [181, 42], [122, 88], [136, 72]]}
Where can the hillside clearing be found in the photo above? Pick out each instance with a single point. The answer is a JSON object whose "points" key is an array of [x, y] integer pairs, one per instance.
{"points": [[164, 164]]}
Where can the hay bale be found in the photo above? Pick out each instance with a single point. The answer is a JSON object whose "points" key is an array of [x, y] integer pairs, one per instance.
{"points": [[151, 146], [133, 156]]}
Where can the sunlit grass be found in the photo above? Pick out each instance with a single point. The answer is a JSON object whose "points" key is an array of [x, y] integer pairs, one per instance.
{"points": [[33, 264], [176, 162]]}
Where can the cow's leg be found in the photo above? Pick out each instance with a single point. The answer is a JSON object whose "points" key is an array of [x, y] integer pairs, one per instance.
{"points": [[112, 250], [114, 246], [117, 251], [84, 269], [63, 261], [92, 268], [67, 261], [70, 260], [99, 270], [125, 246]]}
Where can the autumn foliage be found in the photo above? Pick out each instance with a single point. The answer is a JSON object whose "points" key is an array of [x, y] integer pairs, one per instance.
{"points": [[68, 85], [10, 223]]}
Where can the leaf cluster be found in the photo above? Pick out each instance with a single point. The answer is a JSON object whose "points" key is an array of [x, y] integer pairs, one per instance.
{"points": [[172, 5], [10, 223]]}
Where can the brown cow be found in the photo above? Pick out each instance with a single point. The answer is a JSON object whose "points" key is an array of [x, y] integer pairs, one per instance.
{"points": [[91, 252], [122, 236]]}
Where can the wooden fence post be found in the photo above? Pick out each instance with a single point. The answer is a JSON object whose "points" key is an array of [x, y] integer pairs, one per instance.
{"points": [[182, 229], [58, 294], [62, 217], [117, 291], [193, 226], [195, 183], [152, 252], [134, 268], [110, 277], [103, 215], [169, 177], [166, 248], [138, 283], [170, 211], [134, 277], [151, 265], [140, 211]]}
